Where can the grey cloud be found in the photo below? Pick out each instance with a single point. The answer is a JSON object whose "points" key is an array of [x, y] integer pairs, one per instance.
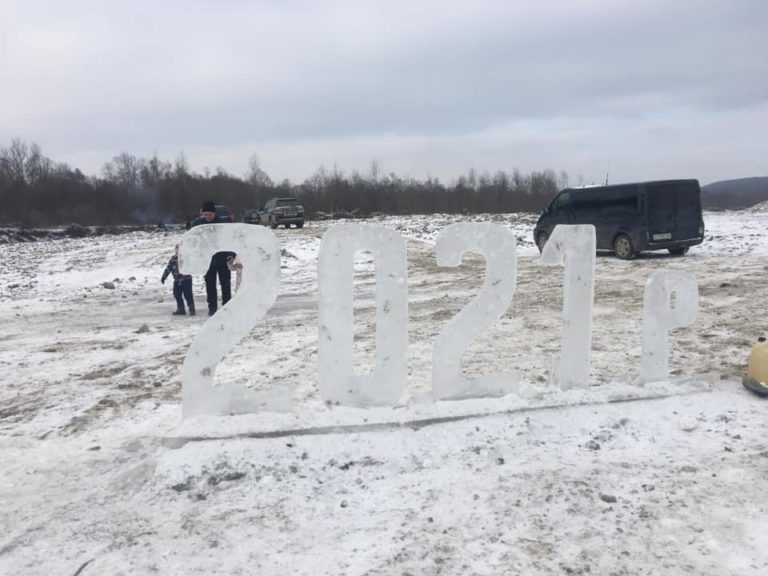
{"points": [[229, 75]]}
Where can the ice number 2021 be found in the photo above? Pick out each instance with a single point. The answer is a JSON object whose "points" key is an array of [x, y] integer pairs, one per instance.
{"points": [[671, 299]]}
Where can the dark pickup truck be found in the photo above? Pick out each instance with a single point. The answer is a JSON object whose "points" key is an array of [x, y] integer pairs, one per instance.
{"points": [[282, 212]]}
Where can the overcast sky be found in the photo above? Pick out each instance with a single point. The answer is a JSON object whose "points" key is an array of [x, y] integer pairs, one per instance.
{"points": [[652, 89]]}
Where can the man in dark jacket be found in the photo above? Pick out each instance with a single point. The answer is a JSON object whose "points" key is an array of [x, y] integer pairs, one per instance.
{"points": [[218, 266]]}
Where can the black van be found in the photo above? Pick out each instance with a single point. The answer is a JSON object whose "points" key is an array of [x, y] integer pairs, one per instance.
{"points": [[630, 218]]}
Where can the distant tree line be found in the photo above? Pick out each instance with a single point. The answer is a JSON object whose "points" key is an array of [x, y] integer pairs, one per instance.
{"points": [[37, 191]]}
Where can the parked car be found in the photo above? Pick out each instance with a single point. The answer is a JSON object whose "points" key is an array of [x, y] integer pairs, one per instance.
{"points": [[251, 216], [282, 212], [630, 218], [223, 211]]}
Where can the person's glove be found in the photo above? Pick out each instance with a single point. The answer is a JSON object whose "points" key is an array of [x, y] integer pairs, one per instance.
{"points": [[162, 280]]}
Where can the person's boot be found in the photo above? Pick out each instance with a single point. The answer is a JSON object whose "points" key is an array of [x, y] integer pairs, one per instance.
{"points": [[191, 310], [180, 312], [211, 311]]}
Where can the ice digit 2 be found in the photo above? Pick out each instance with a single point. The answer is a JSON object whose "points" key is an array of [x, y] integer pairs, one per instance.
{"points": [[671, 300], [257, 248], [338, 383], [574, 246], [497, 244]]}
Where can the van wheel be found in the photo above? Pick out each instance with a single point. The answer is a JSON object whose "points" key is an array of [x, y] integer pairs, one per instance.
{"points": [[679, 251], [541, 240], [300, 225], [622, 246]]}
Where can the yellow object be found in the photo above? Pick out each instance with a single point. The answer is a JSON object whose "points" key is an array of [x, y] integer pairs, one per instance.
{"points": [[758, 362]]}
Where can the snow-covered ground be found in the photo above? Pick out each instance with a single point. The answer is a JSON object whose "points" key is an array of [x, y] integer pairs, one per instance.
{"points": [[101, 476]]}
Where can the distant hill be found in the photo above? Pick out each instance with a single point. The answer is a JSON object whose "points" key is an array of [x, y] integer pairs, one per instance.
{"points": [[734, 194]]}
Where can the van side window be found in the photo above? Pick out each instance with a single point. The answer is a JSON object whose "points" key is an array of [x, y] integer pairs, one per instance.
{"points": [[682, 196], [585, 204], [660, 198], [620, 201], [562, 202]]}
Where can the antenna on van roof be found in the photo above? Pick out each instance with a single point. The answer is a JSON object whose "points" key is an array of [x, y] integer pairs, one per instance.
{"points": [[607, 172]]}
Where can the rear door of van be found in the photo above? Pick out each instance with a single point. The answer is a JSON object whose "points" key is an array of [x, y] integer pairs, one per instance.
{"points": [[673, 209]]}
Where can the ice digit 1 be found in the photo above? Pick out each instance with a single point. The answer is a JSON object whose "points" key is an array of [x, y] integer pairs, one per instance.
{"points": [[661, 312], [337, 382], [257, 248], [575, 247], [497, 244]]}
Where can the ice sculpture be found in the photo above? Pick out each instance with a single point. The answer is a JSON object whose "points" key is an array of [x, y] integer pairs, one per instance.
{"points": [[497, 244], [574, 245], [338, 383], [258, 250], [671, 300]]}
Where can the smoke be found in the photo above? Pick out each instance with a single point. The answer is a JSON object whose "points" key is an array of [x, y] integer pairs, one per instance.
{"points": [[152, 216], [148, 209]]}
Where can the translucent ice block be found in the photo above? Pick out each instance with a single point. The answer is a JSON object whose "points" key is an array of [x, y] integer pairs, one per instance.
{"points": [[338, 383], [258, 251], [497, 244], [574, 246], [671, 300]]}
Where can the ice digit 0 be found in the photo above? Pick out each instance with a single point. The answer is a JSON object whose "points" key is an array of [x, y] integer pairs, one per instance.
{"points": [[337, 382], [662, 312], [575, 247]]}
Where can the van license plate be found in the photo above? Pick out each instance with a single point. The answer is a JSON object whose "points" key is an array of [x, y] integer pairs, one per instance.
{"points": [[667, 236]]}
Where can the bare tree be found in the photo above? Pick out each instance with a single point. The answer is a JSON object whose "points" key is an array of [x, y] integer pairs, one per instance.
{"points": [[14, 160], [153, 172], [124, 170], [181, 166], [374, 171], [255, 176]]}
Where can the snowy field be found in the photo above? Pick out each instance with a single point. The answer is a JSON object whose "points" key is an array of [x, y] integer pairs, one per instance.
{"points": [[101, 476]]}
